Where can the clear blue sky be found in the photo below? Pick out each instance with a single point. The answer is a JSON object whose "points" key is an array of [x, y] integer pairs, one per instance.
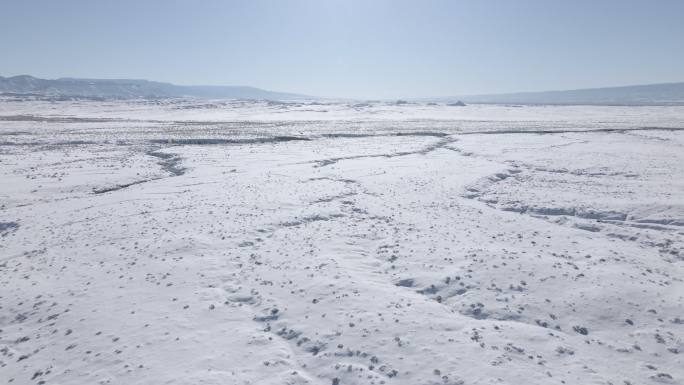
{"points": [[350, 48]]}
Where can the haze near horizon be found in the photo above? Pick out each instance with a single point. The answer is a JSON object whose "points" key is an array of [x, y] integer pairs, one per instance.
{"points": [[380, 49]]}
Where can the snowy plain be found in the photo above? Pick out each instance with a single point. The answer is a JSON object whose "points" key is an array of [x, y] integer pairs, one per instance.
{"points": [[245, 242]]}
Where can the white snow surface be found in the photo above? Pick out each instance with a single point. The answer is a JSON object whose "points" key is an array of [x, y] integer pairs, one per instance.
{"points": [[228, 242]]}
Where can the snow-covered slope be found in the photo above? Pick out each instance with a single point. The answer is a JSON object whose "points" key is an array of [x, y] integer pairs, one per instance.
{"points": [[259, 243]]}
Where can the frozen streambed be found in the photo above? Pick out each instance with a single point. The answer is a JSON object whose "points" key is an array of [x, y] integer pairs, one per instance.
{"points": [[251, 243]]}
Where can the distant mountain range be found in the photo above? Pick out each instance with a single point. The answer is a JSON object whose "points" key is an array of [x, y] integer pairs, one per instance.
{"points": [[73, 88], [25, 85], [651, 94]]}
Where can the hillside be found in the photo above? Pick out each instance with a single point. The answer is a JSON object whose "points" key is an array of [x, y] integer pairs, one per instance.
{"points": [[129, 89], [651, 94]]}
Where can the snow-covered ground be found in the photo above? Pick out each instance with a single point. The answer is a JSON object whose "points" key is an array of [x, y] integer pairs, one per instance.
{"points": [[194, 242]]}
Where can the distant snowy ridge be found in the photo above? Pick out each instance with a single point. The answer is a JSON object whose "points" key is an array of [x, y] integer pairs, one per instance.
{"points": [[651, 94], [130, 89]]}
